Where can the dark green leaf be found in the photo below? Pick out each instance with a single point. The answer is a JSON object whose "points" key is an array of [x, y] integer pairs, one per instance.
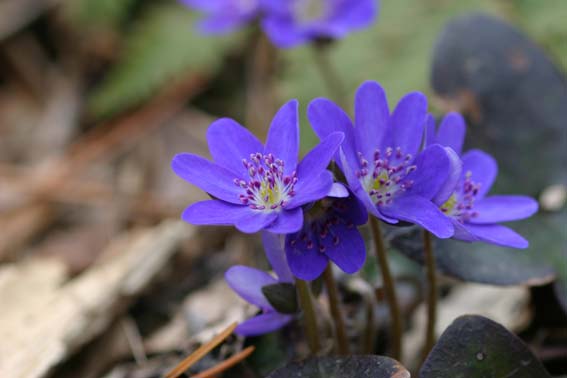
{"points": [[477, 347], [480, 262], [282, 296], [526, 133], [343, 367]]}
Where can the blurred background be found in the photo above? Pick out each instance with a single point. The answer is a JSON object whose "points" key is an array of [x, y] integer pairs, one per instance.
{"points": [[97, 274]]}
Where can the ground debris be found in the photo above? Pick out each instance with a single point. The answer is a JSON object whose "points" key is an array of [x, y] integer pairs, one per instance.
{"points": [[44, 319]]}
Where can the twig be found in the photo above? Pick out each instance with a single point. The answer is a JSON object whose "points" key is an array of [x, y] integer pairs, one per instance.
{"points": [[200, 352], [78, 191], [109, 139], [134, 340], [334, 302], [389, 288], [226, 364]]}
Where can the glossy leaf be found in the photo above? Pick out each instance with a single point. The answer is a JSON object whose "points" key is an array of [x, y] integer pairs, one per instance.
{"points": [[477, 347], [480, 262]]}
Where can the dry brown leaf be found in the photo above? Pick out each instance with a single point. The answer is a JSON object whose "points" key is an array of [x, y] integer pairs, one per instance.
{"points": [[43, 321]]}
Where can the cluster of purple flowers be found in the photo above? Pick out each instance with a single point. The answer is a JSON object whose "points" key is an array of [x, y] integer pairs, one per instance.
{"points": [[398, 168], [287, 23]]}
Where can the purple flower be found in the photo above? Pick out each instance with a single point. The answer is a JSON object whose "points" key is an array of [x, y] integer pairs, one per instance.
{"points": [[329, 233], [289, 23], [224, 16], [381, 160], [255, 186], [474, 215], [247, 283]]}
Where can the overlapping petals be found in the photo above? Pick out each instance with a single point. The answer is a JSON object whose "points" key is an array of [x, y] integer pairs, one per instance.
{"points": [[257, 187], [381, 160], [474, 215]]}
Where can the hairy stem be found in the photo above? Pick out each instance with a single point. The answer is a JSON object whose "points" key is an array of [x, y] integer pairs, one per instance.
{"points": [[329, 74], [431, 293], [309, 318], [370, 330], [336, 313], [389, 288]]}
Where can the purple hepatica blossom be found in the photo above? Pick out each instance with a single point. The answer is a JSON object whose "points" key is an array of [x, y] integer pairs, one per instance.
{"points": [[257, 187], [474, 215], [329, 233], [247, 283], [224, 16], [292, 22], [381, 160]]}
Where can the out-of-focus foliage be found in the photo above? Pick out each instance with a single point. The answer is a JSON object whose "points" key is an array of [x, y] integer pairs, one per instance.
{"points": [[99, 12], [161, 45], [397, 50], [161, 42]]}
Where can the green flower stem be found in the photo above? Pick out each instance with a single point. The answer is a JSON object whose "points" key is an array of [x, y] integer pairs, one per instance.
{"points": [[389, 288], [309, 318], [431, 293], [336, 313], [329, 74]]}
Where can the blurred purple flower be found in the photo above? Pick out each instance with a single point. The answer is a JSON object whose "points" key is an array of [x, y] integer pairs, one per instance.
{"points": [[247, 283], [474, 215], [289, 23], [329, 233], [257, 187], [224, 16], [381, 160]]}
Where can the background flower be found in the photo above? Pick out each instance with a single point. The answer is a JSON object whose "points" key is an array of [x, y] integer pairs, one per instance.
{"points": [[474, 215], [381, 160], [292, 22], [224, 16], [257, 187]]}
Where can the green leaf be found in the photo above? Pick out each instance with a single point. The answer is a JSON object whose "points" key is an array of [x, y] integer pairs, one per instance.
{"points": [[282, 296], [343, 367], [162, 45], [477, 347]]}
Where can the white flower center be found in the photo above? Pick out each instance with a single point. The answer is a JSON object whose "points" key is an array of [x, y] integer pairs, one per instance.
{"points": [[267, 188], [385, 175]]}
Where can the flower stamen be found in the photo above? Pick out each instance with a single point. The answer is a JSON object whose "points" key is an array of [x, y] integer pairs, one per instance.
{"points": [[268, 187]]}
